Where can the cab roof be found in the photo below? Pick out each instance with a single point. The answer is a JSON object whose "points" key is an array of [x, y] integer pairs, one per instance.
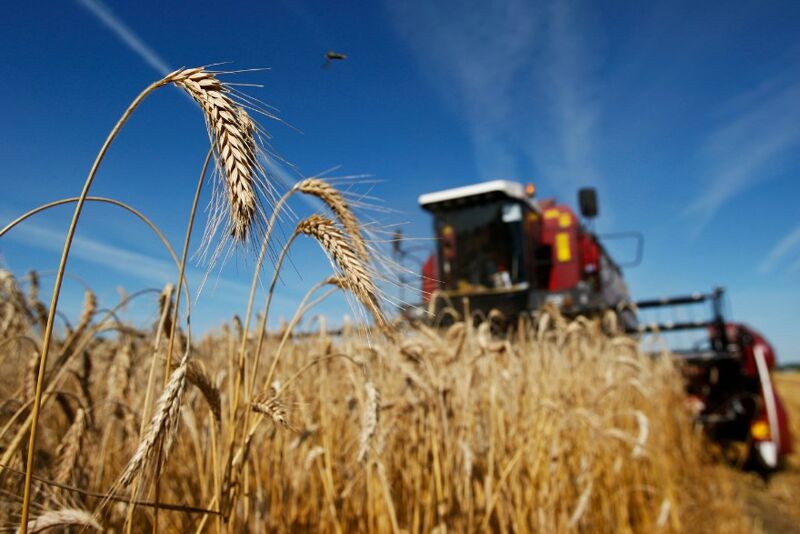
{"points": [[457, 196]]}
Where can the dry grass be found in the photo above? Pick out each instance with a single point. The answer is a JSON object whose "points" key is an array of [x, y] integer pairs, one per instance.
{"points": [[553, 426]]}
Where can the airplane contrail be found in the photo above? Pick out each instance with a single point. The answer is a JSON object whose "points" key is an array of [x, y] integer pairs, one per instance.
{"points": [[126, 35]]}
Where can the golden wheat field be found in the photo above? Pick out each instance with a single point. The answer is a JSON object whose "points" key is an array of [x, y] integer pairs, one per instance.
{"points": [[548, 426], [558, 427]]}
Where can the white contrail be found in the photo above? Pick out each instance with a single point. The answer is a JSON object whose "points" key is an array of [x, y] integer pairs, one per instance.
{"points": [[126, 35], [782, 248]]}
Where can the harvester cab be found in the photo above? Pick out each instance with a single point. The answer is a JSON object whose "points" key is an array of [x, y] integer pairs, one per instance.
{"points": [[499, 247]]}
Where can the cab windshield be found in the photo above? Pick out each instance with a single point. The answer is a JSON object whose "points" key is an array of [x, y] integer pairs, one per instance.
{"points": [[481, 245]]}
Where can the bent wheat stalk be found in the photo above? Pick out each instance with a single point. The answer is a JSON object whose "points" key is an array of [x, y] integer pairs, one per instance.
{"points": [[232, 146], [335, 201], [136, 213], [354, 275]]}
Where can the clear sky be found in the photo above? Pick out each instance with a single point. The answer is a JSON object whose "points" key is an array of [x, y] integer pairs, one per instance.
{"points": [[684, 115]]}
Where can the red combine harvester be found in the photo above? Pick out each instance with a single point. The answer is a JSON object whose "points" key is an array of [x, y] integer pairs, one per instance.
{"points": [[500, 248]]}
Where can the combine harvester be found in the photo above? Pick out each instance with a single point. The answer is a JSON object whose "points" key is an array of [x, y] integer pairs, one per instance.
{"points": [[500, 248]]}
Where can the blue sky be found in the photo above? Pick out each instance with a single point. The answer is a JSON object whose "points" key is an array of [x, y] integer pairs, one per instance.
{"points": [[684, 115]]}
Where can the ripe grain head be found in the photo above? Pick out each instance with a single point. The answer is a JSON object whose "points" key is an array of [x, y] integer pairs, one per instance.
{"points": [[339, 206], [234, 136], [356, 274], [64, 519]]}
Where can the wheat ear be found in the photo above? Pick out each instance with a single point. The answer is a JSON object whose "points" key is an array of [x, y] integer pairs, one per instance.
{"points": [[160, 431], [355, 274], [119, 376], [38, 309], [31, 372], [197, 375], [369, 420], [272, 408], [64, 518], [33, 288], [336, 202], [165, 307], [232, 133], [89, 309], [70, 448]]}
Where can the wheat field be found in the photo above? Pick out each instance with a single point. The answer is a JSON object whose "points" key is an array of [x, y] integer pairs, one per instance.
{"points": [[558, 426], [548, 425]]}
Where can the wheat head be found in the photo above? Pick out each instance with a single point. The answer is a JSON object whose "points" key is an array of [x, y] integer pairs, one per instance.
{"points": [[356, 276], [233, 136], [272, 408], [336, 202], [64, 518], [70, 448], [369, 420], [160, 431]]}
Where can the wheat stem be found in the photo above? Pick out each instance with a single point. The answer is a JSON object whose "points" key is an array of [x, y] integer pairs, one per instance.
{"points": [[175, 313], [48, 333], [250, 301], [182, 267]]}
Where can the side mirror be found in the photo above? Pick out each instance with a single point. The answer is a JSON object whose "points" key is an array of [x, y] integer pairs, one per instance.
{"points": [[587, 200]]}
